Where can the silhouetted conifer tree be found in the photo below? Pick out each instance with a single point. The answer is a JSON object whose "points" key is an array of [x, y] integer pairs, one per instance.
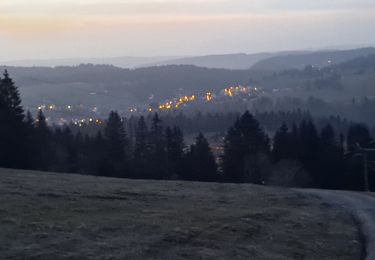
{"points": [[98, 161], [141, 150], [243, 142], [174, 152], [157, 149], [10, 101], [63, 144], [115, 138], [201, 164], [30, 140], [330, 172], [43, 139], [282, 144], [13, 132], [309, 146]]}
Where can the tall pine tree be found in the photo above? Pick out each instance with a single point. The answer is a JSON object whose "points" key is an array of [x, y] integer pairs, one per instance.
{"points": [[43, 139], [141, 158], [157, 158], [13, 138], [174, 141], [282, 142], [201, 162], [116, 141], [244, 141], [330, 160]]}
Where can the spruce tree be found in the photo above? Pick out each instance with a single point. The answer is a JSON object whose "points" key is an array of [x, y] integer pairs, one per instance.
{"points": [[201, 162], [115, 136], [116, 141], [98, 160], [43, 139], [234, 155], [141, 150], [309, 147], [13, 132], [327, 135], [41, 124], [29, 120], [281, 143], [168, 152], [31, 145], [243, 143], [157, 149], [141, 140], [72, 160], [10, 101], [174, 152], [330, 160], [64, 144]]}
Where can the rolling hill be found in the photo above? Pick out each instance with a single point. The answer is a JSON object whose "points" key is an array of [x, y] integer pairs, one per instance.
{"points": [[108, 87], [67, 216], [116, 88], [240, 61], [318, 59], [122, 62]]}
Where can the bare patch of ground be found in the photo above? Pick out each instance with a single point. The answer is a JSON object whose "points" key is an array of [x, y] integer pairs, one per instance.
{"points": [[56, 216]]}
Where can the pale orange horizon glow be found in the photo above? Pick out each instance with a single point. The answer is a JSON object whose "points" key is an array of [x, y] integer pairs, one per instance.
{"points": [[156, 27], [29, 24]]}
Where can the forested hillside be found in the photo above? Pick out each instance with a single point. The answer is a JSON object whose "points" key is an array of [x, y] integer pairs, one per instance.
{"points": [[318, 59]]}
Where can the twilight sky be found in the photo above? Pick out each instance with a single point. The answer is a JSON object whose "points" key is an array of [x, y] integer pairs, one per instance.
{"points": [[104, 28]]}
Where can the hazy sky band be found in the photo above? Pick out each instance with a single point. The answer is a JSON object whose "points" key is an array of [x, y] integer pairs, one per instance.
{"points": [[146, 27], [207, 7]]}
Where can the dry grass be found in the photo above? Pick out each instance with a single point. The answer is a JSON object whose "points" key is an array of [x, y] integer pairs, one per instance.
{"points": [[52, 216]]}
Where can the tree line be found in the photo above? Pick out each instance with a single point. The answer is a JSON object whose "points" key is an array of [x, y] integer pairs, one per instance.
{"points": [[300, 155], [219, 123]]}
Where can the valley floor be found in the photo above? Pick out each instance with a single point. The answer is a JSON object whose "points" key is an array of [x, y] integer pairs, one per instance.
{"points": [[62, 216]]}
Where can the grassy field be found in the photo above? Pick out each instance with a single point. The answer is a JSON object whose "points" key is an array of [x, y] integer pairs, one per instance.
{"points": [[57, 216]]}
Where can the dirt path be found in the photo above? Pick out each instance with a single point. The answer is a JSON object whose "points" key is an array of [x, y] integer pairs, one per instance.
{"points": [[361, 205]]}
